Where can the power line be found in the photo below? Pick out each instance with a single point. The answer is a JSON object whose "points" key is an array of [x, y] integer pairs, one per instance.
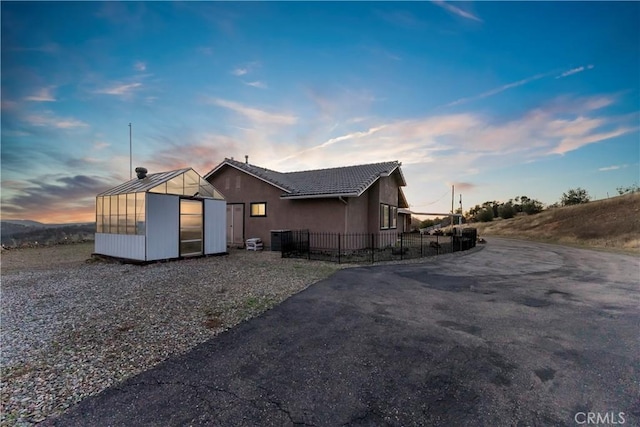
{"points": [[432, 203]]}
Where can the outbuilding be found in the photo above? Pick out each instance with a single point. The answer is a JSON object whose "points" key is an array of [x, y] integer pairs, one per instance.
{"points": [[160, 216]]}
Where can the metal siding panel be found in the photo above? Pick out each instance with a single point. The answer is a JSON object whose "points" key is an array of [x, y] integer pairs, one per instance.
{"points": [[163, 213], [215, 226], [120, 245]]}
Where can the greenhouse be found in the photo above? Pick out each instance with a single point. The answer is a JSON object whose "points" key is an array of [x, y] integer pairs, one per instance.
{"points": [[161, 216]]}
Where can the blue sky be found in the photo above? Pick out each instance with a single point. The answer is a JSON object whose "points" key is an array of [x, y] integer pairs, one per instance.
{"points": [[500, 99]]}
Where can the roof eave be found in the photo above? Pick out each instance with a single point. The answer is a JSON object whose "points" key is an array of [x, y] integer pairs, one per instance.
{"points": [[320, 196]]}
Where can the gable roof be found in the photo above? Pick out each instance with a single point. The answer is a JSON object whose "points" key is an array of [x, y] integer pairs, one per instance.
{"points": [[153, 181], [347, 181]]}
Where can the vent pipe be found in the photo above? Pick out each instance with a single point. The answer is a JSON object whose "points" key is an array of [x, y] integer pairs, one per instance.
{"points": [[142, 172], [246, 159]]}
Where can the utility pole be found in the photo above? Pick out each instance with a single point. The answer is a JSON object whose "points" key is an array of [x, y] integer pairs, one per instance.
{"points": [[130, 155], [460, 217], [452, 201]]}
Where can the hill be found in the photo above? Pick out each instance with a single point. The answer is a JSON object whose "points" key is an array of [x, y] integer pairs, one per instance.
{"points": [[15, 233], [604, 224]]}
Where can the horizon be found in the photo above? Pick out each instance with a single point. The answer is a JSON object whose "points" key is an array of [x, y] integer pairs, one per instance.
{"points": [[499, 99]]}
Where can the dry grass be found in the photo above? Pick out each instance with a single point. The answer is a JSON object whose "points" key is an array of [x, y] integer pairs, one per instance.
{"points": [[610, 224], [46, 257]]}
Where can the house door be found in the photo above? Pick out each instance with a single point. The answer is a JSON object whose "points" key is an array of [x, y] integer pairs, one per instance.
{"points": [[191, 220], [235, 225]]}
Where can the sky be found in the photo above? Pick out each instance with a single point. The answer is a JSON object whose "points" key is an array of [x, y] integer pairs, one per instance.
{"points": [[498, 99]]}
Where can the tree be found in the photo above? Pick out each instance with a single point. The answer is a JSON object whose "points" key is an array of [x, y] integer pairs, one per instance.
{"points": [[506, 210], [575, 196], [427, 223], [486, 215], [631, 189], [531, 207]]}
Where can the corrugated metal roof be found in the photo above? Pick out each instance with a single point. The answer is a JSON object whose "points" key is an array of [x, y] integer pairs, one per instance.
{"points": [[342, 181], [142, 185], [153, 180]]}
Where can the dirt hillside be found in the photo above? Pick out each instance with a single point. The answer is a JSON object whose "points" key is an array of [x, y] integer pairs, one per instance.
{"points": [[604, 224]]}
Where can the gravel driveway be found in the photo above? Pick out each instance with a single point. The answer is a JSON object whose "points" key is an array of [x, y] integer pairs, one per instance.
{"points": [[71, 328], [514, 334]]}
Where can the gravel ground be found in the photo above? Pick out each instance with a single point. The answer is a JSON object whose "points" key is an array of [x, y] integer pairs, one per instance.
{"points": [[71, 327]]}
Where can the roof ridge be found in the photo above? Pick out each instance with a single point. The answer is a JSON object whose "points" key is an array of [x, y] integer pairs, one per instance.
{"points": [[396, 162]]}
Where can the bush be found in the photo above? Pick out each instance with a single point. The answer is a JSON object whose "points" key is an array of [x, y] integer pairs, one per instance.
{"points": [[575, 197], [506, 211], [485, 215], [532, 207]]}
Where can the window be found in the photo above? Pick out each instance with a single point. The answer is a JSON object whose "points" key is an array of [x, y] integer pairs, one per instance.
{"points": [[120, 214], [388, 216], [259, 209]]}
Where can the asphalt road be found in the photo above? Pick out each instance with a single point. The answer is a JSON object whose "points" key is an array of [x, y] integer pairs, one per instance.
{"points": [[512, 334]]}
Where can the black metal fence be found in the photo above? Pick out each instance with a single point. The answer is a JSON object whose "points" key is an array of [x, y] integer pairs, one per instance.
{"points": [[372, 247]]}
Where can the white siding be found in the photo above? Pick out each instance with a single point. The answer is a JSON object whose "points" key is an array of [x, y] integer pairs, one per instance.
{"points": [[127, 246], [163, 218], [215, 226]]}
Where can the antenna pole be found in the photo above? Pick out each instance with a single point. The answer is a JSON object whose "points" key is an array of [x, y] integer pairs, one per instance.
{"points": [[130, 155]]}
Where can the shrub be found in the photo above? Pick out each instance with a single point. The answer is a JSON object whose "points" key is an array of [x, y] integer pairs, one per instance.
{"points": [[485, 215], [575, 196], [506, 211]]}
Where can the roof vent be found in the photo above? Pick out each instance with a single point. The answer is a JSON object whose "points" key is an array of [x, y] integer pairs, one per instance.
{"points": [[246, 159], [142, 172]]}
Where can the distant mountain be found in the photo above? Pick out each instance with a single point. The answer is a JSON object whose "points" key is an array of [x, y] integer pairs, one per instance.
{"points": [[24, 222], [20, 232]]}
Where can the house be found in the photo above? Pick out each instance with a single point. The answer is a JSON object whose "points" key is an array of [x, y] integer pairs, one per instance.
{"points": [[161, 216], [352, 199]]}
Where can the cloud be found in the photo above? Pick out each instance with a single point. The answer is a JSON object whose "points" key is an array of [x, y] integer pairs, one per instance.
{"points": [[456, 10], [466, 142], [200, 151], [572, 142], [43, 95], [205, 50], [50, 48], [99, 145], [329, 142], [140, 66], [57, 199], [498, 90], [245, 69], [574, 71], [254, 114], [612, 168], [120, 89], [463, 186], [258, 84], [49, 120]]}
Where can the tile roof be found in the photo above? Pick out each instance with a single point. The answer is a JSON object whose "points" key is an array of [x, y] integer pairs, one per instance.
{"points": [[348, 181]]}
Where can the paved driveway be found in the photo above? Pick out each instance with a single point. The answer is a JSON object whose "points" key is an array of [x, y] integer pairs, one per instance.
{"points": [[514, 333]]}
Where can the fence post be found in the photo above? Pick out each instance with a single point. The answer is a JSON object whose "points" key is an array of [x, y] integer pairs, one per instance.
{"points": [[401, 247], [339, 248], [308, 245], [372, 253], [421, 251], [437, 244]]}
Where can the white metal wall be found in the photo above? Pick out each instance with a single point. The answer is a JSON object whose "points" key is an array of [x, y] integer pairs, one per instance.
{"points": [[128, 246], [215, 226], [163, 221]]}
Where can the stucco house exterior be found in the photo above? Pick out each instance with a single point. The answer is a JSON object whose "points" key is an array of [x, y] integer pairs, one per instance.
{"points": [[351, 199]]}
